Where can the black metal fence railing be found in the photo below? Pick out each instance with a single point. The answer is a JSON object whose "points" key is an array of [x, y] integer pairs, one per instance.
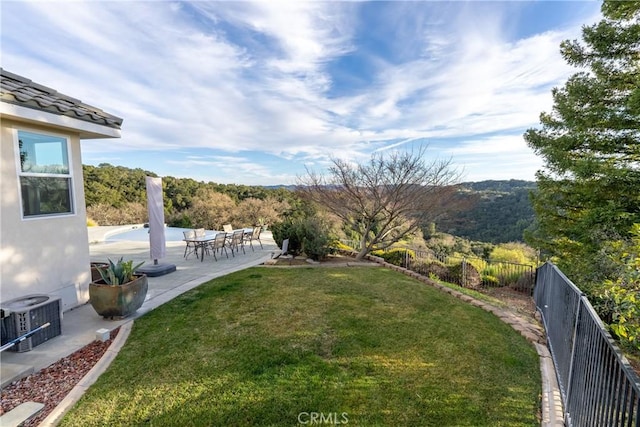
{"points": [[598, 386], [468, 272]]}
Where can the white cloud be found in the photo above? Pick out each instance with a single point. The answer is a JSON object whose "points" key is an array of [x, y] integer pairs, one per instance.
{"points": [[235, 77]]}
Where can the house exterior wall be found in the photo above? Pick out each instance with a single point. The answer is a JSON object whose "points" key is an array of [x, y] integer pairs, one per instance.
{"points": [[49, 254]]}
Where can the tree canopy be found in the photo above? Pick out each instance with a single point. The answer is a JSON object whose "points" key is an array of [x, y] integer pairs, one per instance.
{"points": [[495, 211], [383, 200], [589, 191]]}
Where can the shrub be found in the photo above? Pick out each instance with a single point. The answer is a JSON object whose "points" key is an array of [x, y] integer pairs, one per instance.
{"points": [[130, 213], [490, 270], [465, 274], [517, 253], [336, 245], [432, 269], [622, 309], [211, 210], [478, 263], [306, 235], [618, 303], [501, 254], [396, 256], [509, 277], [181, 220], [315, 242], [490, 281], [526, 282], [287, 230]]}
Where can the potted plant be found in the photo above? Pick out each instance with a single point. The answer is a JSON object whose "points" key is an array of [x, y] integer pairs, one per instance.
{"points": [[95, 270], [120, 291]]}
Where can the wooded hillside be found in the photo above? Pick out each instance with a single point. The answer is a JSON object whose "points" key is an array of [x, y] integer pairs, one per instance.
{"points": [[499, 211]]}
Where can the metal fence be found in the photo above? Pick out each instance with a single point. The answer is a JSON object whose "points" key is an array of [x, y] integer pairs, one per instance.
{"points": [[598, 386], [468, 272], [471, 272]]}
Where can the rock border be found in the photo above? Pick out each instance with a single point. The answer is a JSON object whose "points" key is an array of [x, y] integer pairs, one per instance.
{"points": [[55, 416]]}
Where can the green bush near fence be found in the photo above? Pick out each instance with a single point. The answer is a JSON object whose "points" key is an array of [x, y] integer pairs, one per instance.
{"points": [[508, 276], [465, 274], [618, 301], [396, 256], [490, 274], [431, 268], [491, 281]]}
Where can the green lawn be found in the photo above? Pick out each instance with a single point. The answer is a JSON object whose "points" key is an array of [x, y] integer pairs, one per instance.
{"points": [[357, 346]]}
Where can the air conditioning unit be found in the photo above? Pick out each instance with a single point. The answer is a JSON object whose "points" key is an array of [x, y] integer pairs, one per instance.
{"points": [[27, 313]]}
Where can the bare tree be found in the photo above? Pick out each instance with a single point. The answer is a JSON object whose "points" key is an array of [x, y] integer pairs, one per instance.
{"points": [[385, 199]]}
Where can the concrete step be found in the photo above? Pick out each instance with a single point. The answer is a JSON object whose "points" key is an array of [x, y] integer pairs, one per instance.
{"points": [[20, 414]]}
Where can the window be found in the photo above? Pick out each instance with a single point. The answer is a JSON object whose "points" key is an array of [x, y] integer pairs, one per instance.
{"points": [[44, 174]]}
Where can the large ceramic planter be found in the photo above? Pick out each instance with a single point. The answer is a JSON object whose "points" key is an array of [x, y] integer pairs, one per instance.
{"points": [[118, 301]]}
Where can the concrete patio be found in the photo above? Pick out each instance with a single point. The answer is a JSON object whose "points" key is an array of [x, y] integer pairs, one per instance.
{"points": [[80, 324]]}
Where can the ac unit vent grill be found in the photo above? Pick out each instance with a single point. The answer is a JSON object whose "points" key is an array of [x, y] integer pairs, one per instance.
{"points": [[27, 313]]}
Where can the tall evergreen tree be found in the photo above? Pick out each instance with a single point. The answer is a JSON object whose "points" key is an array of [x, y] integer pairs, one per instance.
{"points": [[589, 191]]}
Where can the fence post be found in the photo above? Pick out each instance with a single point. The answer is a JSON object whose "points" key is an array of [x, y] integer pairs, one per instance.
{"points": [[464, 272]]}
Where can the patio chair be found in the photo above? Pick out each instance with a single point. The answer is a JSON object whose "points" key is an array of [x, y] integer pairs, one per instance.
{"points": [[237, 242], [229, 230], [191, 247], [284, 251], [254, 235], [200, 232], [219, 244]]}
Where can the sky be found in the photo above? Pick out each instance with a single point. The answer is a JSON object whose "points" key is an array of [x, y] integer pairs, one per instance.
{"points": [[256, 93]]}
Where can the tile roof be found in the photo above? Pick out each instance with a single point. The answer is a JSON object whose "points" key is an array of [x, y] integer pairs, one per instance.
{"points": [[15, 89]]}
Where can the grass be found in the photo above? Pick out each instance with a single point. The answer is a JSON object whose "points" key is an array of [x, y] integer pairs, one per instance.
{"points": [[268, 347]]}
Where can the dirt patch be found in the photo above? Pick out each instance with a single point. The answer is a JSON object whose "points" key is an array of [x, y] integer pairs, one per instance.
{"points": [[517, 302]]}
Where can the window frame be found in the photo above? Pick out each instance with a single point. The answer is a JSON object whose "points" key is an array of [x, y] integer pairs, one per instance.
{"points": [[69, 175]]}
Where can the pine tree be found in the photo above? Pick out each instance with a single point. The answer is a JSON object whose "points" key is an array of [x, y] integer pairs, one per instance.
{"points": [[589, 191]]}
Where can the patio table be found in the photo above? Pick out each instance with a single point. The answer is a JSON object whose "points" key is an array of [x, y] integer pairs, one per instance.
{"points": [[202, 242]]}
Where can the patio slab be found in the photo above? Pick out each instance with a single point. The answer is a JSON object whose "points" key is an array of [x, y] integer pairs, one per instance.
{"points": [[79, 325]]}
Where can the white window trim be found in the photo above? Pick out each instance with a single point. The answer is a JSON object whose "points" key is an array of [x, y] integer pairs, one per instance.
{"points": [[19, 174]]}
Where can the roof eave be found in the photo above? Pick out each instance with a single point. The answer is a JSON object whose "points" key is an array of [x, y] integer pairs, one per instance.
{"points": [[87, 130]]}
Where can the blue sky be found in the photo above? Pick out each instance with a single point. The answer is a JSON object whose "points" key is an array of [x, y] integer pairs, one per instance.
{"points": [[254, 92]]}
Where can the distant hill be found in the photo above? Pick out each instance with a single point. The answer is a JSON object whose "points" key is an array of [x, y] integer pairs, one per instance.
{"points": [[504, 186], [500, 211]]}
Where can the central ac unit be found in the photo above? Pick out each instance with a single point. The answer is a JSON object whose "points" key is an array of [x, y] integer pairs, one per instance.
{"points": [[27, 313]]}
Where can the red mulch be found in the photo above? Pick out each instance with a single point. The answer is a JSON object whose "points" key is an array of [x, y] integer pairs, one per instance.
{"points": [[52, 384]]}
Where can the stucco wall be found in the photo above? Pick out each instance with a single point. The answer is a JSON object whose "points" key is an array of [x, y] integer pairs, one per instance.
{"points": [[47, 255]]}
